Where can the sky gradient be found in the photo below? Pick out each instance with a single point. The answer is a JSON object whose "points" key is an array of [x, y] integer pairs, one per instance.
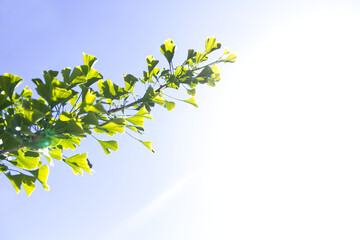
{"points": [[271, 152]]}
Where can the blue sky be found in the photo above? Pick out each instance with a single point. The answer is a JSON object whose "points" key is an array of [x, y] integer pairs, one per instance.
{"points": [[271, 153]]}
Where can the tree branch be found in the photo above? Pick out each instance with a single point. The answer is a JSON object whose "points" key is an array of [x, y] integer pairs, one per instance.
{"points": [[133, 103], [37, 136]]}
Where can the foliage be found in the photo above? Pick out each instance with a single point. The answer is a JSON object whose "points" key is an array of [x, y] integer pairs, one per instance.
{"points": [[83, 104]]}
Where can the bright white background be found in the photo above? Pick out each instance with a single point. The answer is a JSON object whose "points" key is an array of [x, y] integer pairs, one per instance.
{"points": [[271, 153]]}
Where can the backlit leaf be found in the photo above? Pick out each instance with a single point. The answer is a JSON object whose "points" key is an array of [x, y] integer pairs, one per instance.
{"points": [[42, 174], [169, 105], [106, 145], [191, 91], [78, 163], [148, 145], [192, 101], [168, 50], [231, 58], [89, 60], [90, 97], [210, 44]]}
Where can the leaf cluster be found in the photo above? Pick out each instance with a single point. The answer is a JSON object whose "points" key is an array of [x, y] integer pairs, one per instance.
{"points": [[80, 102]]}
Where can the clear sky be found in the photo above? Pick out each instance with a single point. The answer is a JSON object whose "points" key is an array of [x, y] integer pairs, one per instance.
{"points": [[271, 153]]}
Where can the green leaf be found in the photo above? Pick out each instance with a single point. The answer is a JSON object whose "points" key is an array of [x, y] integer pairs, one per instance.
{"points": [[3, 168], [147, 144], [211, 45], [106, 145], [22, 180], [56, 153], [137, 129], [9, 82], [77, 76], [216, 73], [35, 110], [90, 97], [26, 92], [45, 91], [28, 184], [60, 93], [200, 57], [65, 74], [89, 60], [192, 102], [168, 50], [169, 105], [113, 126], [143, 112], [191, 91], [69, 143], [90, 118], [92, 77], [26, 160], [137, 120], [71, 127], [130, 81], [206, 72], [211, 82], [15, 180], [78, 163], [151, 62], [10, 141], [231, 58], [42, 174], [159, 100], [97, 108], [65, 116], [191, 54], [73, 100], [110, 90], [149, 94]]}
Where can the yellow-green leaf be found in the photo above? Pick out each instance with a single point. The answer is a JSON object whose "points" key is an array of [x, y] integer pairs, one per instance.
{"points": [[15, 180], [89, 60], [73, 100], [28, 162], [112, 127], [28, 184], [192, 101], [148, 145], [42, 174], [106, 145], [90, 97], [56, 153], [137, 120], [191, 91], [143, 112], [168, 49], [78, 163], [231, 58], [169, 105], [60, 93]]}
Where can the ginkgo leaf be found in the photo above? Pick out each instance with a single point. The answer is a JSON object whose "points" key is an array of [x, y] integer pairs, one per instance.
{"points": [[79, 163], [89, 97], [169, 105], [192, 101], [191, 91], [137, 120], [106, 145], [42, 174], [168, 49], [147, 144], [89, 60], [231, 58]]}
